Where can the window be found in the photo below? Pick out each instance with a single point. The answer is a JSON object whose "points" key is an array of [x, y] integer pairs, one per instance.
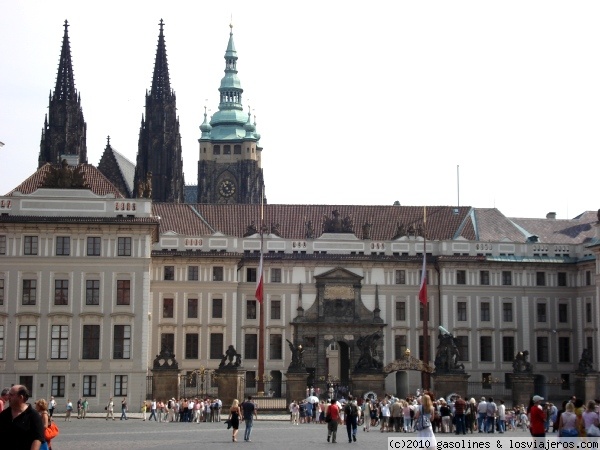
{"points": [[121, 385], [461, 277], [91, 342], [216, 150], [401, 310], [251, 379], [2, 244], [399, 346], [61, 292], [92, 292], [58, 386], [27, 341], [30, 245], [227, 149], [401, 276], [59, 345], [1, 291], [562, 278], [542, 350], [167, 342], [462, 342], [250, 346], [564, 349], [1, 342], [218, 273], [588, 308], [507, 312], [191, 346], [193, 273], [485, 312], [89, 385], [540, 278], [237, 149], [216, 345], [251, 274], [563, 312], [169, 273], [192, 309], [484, 277], [93, 246], [122, 342], [588, 278], [27, 381], [541, 312], [124, 246], [275, 275], [29, 292], [275, 346], [506, 278], [485, 348], [123, 292], [217, 308], [461, 311], [63, 245], [508, 348], [251, 309], [167, 308], [275, 309]]}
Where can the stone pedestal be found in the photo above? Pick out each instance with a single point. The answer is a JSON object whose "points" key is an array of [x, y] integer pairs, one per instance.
{"points": [[165, 384], [448, 383], [296, 385], [522, 388], [366, 382], [586, 386], [231, 385]]}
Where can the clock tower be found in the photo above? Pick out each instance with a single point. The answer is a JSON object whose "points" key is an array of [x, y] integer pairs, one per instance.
{"points": [[229, 166]]}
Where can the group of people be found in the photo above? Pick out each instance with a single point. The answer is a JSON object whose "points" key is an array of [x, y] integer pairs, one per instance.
{"points": [[183, 410]]}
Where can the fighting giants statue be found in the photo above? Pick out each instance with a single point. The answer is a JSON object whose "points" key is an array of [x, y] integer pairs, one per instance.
{"points": [[446, 357], [368, 352], [228, 359], [520, 363], [297, 357], [585, 363]]}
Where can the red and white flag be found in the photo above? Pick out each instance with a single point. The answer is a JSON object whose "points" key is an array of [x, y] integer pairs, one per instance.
{"points": [[423, 287], [259, 281]]}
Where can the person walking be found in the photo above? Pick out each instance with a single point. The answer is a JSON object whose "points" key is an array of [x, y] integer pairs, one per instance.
{"points": [[426, 409], [332, 417], [51, 406], [537, 417], [124, 408], [234, 418], [152, 410], [20, 424], [249, 411], [460, 407], [84, 408], [69, 410], [110, 409], [41, 406], [351, 418], [501, 417]]}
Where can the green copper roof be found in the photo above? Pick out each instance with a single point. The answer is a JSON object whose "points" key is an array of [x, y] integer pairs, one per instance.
{"points": [[230, 121]]}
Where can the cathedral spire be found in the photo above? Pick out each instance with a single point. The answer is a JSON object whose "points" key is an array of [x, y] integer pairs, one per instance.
{"points": [[64, 132], [161, 86]]}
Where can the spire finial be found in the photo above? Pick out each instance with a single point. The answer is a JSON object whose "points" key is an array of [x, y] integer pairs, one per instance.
{"points": [[231, 24], [161, 24], [108, 141], [66, 25]]}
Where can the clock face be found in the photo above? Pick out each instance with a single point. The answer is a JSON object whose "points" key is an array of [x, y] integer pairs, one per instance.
{"points": [[226, 188]]}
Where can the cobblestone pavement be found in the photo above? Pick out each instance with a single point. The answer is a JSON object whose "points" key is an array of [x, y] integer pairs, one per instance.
{"points": [[270, 432]]}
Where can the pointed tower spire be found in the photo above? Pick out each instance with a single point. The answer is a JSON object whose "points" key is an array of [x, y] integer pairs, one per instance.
{"points": [[159, 145], [64, 130]]}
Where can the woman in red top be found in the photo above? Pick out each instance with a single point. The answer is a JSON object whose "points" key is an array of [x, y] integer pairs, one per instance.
{"points": [[333, 415], [537, 417]]}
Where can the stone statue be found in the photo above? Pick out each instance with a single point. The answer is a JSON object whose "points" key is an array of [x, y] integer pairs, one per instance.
{"points": [[520, 363], [447, 354], [585, 363], [297, 356], [165, 360], [400, 231], [275, 229], [147, 186], [310, 231], [366, 229], [228, 358], [368, 353], [64, 177], [336, 224], [251, 229]]}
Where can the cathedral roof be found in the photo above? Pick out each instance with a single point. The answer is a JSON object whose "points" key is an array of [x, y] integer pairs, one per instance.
{"points": [[97, 182], [118, 169]]}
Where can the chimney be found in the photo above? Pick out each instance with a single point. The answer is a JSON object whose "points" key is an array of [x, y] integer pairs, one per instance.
{"points": [[551, 215]]}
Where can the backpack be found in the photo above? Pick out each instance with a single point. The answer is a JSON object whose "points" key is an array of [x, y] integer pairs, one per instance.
{"points": [[351, 410]]}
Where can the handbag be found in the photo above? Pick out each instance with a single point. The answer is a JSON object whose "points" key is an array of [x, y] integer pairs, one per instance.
{"points": [[593, 430], [51, 431], [328, 418], [423, 421], [228, 423]]}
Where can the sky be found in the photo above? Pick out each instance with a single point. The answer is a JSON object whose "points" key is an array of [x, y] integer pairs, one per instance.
{"points": [[489, 104]]}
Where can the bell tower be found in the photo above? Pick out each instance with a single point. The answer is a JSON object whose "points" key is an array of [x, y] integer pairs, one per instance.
{"points": [[229, 166]]}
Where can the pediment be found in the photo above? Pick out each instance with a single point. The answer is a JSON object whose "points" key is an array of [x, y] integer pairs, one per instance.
{"points": [[338, 274]]}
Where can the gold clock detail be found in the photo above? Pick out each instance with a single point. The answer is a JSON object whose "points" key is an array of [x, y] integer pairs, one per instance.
{"points": [[226, 188]]}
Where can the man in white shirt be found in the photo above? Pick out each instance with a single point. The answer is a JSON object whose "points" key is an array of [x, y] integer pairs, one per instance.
{"points": [[481, 414], [502, 417]]}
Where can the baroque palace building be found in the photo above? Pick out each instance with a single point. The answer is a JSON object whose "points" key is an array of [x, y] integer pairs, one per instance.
{"points": [[103, 268]]}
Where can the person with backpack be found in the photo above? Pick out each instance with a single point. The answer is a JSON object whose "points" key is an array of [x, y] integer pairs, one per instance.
{"points": [[351, 418]]}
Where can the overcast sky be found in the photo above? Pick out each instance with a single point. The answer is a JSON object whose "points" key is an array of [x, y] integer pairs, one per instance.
{"points": [[356, 102]]}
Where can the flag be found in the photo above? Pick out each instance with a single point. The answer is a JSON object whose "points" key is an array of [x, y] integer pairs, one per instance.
{"points": [[259, 281], [423, 287]]}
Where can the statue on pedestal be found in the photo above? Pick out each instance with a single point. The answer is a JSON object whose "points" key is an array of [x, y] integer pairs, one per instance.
{"points": [[585, 363], [228, 359], [368, 353], [446, 357], [297, 356], [520, 363]]}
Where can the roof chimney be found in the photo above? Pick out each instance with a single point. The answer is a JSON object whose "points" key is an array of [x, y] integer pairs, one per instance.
{"points": [[551, 215]]}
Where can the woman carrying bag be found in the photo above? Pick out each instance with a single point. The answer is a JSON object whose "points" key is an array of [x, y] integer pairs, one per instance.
{"points": [[234, 418], [422, 421]]}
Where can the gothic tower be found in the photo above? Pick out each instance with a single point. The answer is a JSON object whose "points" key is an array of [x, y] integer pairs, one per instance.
{"points": [[159, 146], [64, 129], [229, 167]]}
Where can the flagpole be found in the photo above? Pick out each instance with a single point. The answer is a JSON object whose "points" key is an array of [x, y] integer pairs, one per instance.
{"points": [[425, 303], [261, 312]]}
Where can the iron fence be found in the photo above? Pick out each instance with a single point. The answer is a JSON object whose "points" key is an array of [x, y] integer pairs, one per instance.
{"points": [[497, 390]]}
